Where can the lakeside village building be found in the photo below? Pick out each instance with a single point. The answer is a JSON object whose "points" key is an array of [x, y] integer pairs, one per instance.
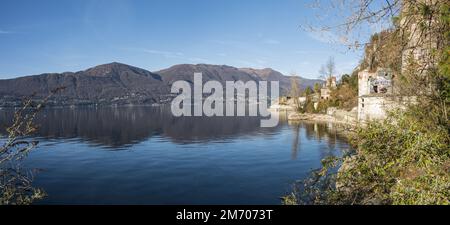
{"points": [[325, 91], [377, 91], [376, 94]]}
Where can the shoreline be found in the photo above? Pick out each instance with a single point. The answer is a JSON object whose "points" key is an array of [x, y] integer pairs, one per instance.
{"points": [[293, 116], [345, 127]]}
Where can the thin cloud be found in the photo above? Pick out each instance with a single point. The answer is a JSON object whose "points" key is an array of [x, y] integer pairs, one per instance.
{"points": [[305, 63], [244, 63], [258, 63], [261, 61], [348, 67], [271, 42], [166, 54], [308, 52], [324, 36], [232, 43], [302, 52], [6, 31], [170, 54], [198, 60]]}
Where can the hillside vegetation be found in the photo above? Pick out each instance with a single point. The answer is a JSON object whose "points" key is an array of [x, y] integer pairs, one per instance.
{"points": [[404, 159]]}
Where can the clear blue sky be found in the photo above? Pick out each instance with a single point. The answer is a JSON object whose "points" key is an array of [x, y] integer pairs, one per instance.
{"points": [[72, 35]]}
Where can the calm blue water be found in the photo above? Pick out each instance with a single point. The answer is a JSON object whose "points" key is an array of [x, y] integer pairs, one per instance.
{"points": [[143, 155]]}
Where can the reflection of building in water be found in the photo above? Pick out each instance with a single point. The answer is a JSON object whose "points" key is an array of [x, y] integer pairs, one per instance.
{"points": [[295, 141], [326, 132], [319, 131], [305, 133]]}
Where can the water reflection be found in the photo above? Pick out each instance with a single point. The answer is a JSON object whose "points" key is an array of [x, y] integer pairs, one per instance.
{"points": [[122, 126], [169, 160], [119, 126], [328, 133]]}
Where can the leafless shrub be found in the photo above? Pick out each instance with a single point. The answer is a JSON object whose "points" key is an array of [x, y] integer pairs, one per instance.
{"points": [[15, 181]]}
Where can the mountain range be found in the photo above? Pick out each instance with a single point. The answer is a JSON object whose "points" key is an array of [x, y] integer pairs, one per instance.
{"points": [[121, 84]]}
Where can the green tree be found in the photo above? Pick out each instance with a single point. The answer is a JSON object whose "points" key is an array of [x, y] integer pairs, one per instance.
{"points": [[345, 79], [317, 88], [308, 91]]}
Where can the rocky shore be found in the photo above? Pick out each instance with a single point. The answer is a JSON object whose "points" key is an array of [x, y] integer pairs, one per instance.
{"points": [[330, 118]]}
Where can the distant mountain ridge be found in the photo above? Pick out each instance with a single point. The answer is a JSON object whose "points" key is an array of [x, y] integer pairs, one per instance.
{"points": [[117, 83]]}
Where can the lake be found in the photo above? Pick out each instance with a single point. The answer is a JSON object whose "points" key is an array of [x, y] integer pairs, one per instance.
{"points": [[144, 155]]}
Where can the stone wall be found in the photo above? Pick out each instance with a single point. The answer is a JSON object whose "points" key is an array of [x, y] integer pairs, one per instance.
{"points": [[372, 107], [364, 82], [377, 107], [349, 117]]}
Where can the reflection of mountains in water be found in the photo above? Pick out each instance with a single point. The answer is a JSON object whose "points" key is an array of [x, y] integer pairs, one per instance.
{"points": [[115, 127]]}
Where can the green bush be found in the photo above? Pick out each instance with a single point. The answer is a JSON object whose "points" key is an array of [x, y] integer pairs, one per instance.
{"points": [[401, 160]]}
